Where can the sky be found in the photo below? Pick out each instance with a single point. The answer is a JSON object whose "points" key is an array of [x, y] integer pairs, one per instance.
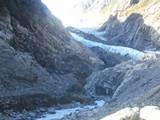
{"points": [[65, 11], [71, 15]]}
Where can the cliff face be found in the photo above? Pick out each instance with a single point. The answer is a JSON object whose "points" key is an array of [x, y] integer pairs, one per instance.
{"points": [[135, 25], [38, 59], [133, 32]]}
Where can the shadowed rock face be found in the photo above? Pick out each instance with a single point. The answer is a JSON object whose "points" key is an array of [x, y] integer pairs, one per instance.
{"points": [[38, 57], [110, 59], [105, 82], [133, 32]]}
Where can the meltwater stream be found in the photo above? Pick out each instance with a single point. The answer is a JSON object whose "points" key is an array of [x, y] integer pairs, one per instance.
{"points": [[59, 114]]}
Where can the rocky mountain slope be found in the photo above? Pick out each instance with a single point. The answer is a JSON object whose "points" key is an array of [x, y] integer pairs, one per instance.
{"points": [[44, 64], [138, 91], [133, 32], [131, 23], [133, 86], [38, 56], [134, 25]]}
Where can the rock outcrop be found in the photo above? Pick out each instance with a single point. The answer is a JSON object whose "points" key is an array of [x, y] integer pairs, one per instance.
{"points": [[105, 82], [133, 23], [40, 62], [120, 81], [110, 59], [133, 32], [137, 96]]}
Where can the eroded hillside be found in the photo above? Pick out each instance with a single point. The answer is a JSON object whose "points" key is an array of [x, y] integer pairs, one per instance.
{"points": [[46, 67], [38, 56]]}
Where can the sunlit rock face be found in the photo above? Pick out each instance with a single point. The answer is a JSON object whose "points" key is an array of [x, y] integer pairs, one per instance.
{"points": [[126, 114], [92, 4]]}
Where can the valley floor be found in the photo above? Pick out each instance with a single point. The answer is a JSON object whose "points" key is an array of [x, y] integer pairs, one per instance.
{"points": [[49, 72], [128, 113], [75, 111]]}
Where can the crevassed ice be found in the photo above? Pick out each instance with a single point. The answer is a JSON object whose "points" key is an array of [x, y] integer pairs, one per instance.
{"points": [[124, 51]]}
